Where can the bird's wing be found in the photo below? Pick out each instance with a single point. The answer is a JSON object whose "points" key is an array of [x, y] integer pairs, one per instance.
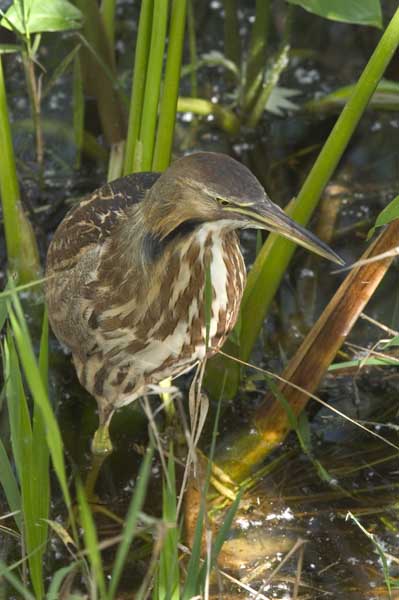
{"points": [[92, 221]]}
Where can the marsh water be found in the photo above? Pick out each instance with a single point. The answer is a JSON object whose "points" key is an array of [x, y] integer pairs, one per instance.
{"points": [[292, 505]]}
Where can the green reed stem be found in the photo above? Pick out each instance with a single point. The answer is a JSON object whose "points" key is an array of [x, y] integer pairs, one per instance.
{"points": [[138, 85], [264, 279], [192, 44], [8, 180], [232, 44], [153, 84], [108, 13], [257, 51], [20, 241], [168, 105]]}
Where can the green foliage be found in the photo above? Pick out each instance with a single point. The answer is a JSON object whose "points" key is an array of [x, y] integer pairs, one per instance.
{"points": [[360, 12], [38, 389], [379, 549], [31, 460], [388, 214], [272, 261], [131, 519], [91, 543], [21, 245], [385, 97], [152, 114], [300, 425], [36, 16], [168, 103], [167, 581]]}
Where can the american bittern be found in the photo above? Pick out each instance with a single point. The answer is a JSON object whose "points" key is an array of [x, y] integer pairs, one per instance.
{"points": [[127, 271]]}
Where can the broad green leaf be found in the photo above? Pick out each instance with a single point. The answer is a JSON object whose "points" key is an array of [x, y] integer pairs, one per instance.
{"points": [[361, 12], [57, 15], [388, 214]]}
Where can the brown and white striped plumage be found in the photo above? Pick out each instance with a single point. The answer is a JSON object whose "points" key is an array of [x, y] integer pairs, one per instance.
{"points": [[128, 300], [126, 272]]}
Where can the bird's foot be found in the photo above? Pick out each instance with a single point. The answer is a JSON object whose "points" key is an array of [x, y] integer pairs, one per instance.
{"points": [[101, 444]]}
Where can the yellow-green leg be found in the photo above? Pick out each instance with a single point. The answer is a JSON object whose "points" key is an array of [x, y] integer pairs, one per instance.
{"points": [[101, 443]]}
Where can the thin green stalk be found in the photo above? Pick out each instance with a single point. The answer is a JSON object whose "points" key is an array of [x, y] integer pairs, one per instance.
{"points": [[34, 96], [78, 108], [108, 13], [21, 245], [8, 181], [192, 44], [99, 72], [39, 393], [30, 475], [264, 280], [138, 84], [168, 105], [257, 51], [232, 44], [168, 573], [131, 519], [153, 84], [91, 545]]}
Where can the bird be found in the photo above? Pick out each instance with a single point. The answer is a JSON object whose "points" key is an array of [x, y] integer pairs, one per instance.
{"points": [[127, 269]]}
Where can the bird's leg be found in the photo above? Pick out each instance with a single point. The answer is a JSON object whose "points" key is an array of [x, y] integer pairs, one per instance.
{"points": [[167, 399], [101, 443]]}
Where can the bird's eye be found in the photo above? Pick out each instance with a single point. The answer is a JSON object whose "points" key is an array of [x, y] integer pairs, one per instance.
{"points": [[222, 202]]}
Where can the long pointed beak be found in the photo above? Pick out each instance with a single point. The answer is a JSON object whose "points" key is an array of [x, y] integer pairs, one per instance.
{"points": [[272, 218]]}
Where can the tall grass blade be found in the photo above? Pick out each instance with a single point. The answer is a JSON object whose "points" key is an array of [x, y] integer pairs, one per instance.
{"points": [[38, 390], [138, 85], [135, 507], [108, 12], [91, 540], [98, 69], [7, 573], [192, 43], [153, 84], [257, 51], [232, 38], [192, 583], [78, 108], [221, 537], [10, 486], [21, 246], [168, 105], [30, 477], [168, 579]]}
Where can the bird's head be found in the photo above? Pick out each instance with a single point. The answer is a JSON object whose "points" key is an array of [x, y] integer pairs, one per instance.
{"points": [[210, 187]]}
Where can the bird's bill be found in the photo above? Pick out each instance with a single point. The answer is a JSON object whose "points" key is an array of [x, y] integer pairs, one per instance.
{"points": [[275, 220]]}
